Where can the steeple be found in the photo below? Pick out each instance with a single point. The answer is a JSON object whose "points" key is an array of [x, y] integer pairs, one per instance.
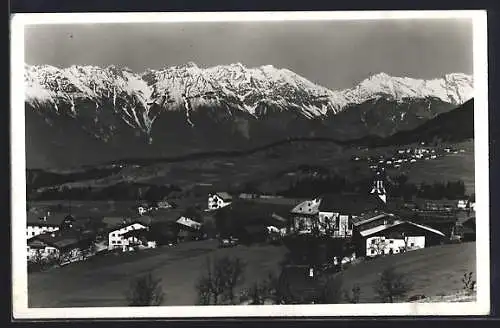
{"points": [[378, 185]]}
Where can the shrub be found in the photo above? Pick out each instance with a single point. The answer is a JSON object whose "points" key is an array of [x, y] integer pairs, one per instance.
{"points": [[468, 283], [353, 295], [145, 291], [391, 286]]}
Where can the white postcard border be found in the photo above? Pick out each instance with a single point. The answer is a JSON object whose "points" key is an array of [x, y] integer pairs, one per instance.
{"points": [[18, 222]]}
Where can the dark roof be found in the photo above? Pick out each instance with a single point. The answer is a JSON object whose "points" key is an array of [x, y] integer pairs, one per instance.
{"points": [[137, 233], [247, 212], [39, 218], [255, 229], [165, 214], [123, 225], [61, 240], [350, 203], [112, 221], [370, 216], [224, 195]]}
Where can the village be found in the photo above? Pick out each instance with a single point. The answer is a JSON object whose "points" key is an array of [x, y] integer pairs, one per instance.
{"points": [[406, 156], [371, 224]]}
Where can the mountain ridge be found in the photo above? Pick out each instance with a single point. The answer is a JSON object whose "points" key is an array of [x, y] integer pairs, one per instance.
{"points": [[115, 111]]}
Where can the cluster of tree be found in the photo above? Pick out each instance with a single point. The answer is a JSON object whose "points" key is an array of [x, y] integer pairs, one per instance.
{"points": [[311, 186], [217, 286], [120, 191], [436, 191], [145, 290]]}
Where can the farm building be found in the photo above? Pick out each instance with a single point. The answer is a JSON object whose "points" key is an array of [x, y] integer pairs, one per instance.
{"points": [[187, 223], [40, 224], [389, 235], [218, 200], [65, 247]]}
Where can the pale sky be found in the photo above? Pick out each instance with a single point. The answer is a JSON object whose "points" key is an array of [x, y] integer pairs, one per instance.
{"points": [[335, 54]]}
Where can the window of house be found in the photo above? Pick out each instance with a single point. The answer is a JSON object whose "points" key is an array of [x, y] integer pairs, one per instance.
{"points": [[412, 244], [373, 252], [391, 242], [373, 241]]}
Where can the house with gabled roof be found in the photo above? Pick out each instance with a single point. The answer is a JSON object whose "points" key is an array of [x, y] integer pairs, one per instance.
{"points": [[40, 223], [65, 247], [116, 239], [337, 212], [387, 234], [218, 200]]}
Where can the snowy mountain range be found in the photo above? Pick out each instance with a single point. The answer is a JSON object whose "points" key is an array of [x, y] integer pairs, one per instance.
{"points": [[188, 107]]}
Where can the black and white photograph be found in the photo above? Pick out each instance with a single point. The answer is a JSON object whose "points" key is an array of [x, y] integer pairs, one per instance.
{"points": [[250, 164]]}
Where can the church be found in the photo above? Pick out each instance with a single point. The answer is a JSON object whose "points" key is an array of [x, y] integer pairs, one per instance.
{"points": [[334, 214]]}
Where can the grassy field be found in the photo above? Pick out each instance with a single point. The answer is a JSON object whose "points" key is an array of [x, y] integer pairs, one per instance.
{"points": [[434, 271], [102, 281]]}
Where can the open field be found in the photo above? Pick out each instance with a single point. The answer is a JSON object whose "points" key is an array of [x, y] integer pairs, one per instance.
{"points": [[434, 271], [102, 281]]}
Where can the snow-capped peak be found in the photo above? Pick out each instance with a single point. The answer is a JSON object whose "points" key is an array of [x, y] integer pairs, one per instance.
{"points": [[188, 87], [455, 88]]}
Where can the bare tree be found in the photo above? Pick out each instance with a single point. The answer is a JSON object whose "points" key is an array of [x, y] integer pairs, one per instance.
{"points": [[145, 290], [217, 285], [353, 295], [331, 291], [391, 286], [377, 246], [469, 284]]}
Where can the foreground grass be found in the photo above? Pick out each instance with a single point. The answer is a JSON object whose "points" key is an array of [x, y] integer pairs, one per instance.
{"points": [[102, 281], [433, 272]]}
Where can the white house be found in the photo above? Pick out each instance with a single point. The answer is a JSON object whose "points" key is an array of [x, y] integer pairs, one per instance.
{"points": [[187, 222], [116, 238], [393, 237], [40, 224], [218, 200], [462, 204]]}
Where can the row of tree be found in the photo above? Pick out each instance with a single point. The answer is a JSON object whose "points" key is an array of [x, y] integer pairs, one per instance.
{"points": [[223, 277], [401, 187], [311, 186]]}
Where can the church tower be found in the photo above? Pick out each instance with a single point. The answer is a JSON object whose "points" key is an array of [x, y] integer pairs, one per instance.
{"points": [[378, 185]]}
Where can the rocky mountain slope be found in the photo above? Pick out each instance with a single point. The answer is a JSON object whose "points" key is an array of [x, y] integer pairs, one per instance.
{"points": [[86, 114]]}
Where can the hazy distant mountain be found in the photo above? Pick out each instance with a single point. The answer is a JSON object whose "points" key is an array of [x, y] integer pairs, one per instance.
{"points": [[85, 114]]}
